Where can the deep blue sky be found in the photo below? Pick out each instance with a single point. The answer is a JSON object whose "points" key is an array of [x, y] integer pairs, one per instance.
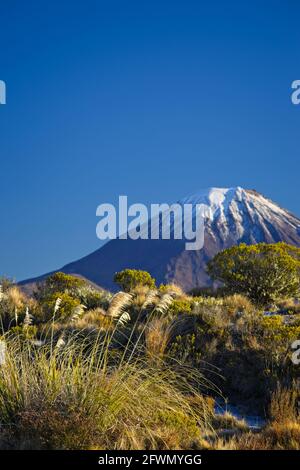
{"points": [[153, 99]]}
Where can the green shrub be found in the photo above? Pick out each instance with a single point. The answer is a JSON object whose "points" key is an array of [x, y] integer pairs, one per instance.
{"points": [[66, 309], [128, 279], [58, 282], [180, 306], [92, 298], [277, 332], [263, 272]]}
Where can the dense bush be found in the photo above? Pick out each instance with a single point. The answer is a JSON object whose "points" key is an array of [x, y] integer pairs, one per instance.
{"points": [[128, 279], [66, 310], [264, 272], [92, 298], [58, 282], [72, 292], [180, 306]]}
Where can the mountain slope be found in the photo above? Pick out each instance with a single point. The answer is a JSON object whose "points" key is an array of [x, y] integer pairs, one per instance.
{"points": [[239, 215]]}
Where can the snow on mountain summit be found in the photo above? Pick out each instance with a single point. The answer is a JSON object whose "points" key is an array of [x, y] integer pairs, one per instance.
{"points": [[212, 196], [225, 199], [241, 215], [245, 213]]}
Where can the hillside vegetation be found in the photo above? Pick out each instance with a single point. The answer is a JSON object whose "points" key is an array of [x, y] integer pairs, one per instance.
{"points": [[148, 367]]}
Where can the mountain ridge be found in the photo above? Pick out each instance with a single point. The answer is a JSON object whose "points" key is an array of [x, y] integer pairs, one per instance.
{"points": [[239, 215]]}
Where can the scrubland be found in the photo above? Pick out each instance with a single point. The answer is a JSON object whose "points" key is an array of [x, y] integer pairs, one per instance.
{"points": [[81, 368]]}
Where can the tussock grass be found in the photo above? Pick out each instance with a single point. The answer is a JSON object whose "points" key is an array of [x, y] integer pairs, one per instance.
{"points": [[64, 396], [157, 337], [82, 369], [228, 421], [284, 404], [278, 436]]}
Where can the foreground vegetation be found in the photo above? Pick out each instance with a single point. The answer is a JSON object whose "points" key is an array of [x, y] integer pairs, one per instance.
{"points": [[81, 368]]}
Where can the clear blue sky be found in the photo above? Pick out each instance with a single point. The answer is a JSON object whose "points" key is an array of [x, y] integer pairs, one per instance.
{"points": [[153, 99]]}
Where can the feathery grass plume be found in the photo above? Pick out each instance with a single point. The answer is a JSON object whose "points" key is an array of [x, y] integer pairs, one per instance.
{"points": [[55, 310], [2, 352], [1, 293], [28, 319], [124, 318], [16, 316], [150, 299], [77, 312], [38, 342], [119, 303], [60, 342], [57, 305], [16, 298], [164, 304]]}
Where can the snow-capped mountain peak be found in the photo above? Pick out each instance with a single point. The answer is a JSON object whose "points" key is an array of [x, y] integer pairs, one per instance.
{"points": [[245, 215], [238, 215]]}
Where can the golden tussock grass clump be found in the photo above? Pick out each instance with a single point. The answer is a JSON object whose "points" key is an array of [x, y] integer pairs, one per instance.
{"points": [[283, 404], [172, 289], [66, 398], [237, 303], [282, 432], [15, 297], [157, 337], [284, 435], [96, 318], [277, 436], [228, 421], [14, 305]]}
